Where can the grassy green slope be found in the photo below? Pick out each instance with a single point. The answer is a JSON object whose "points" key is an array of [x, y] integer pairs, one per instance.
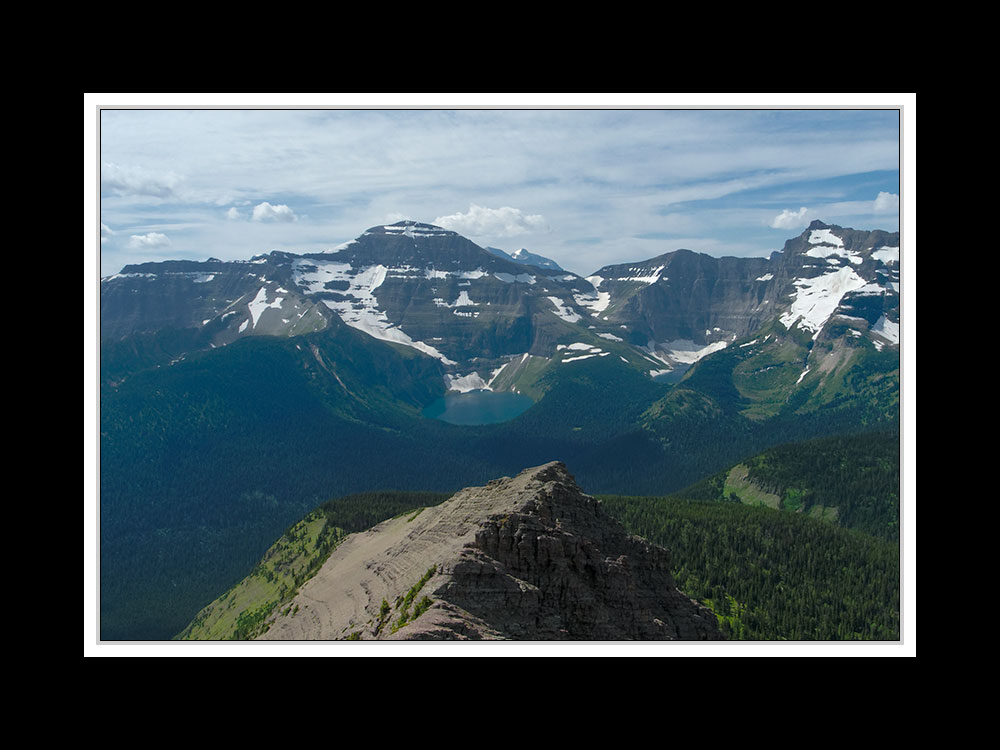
{"points": [[852, 480], [242, 611], [783, 375]]}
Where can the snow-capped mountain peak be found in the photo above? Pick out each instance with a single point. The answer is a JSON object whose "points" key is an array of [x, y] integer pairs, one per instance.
{"points": [[476, 310]]}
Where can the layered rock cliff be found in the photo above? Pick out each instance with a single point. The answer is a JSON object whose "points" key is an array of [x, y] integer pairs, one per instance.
{"points": [[525, 558]]}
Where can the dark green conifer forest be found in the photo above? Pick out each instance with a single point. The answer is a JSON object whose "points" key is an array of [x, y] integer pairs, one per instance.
{"points": [[204, 464]]}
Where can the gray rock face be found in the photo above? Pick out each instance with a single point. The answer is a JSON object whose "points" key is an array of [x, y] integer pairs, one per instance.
{"points": [[687, 295], [560, 568], [408, 283], [479, 313], [524, 558], [683, 301], [216, 301]]}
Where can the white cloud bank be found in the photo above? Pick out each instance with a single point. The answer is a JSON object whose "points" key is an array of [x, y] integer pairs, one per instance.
{"points": [[886, 203], [137, 181], [493, 222], [150, 240], [789, 219], [106, 233], [266, 212]]}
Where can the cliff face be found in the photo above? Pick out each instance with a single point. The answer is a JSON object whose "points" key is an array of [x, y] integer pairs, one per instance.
{"points": [[524, 558]]}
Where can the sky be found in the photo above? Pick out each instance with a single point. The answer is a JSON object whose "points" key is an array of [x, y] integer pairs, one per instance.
{"points": [[585, 185]]}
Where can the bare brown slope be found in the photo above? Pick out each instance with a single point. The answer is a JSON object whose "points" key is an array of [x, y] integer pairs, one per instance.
{"points": [[523, 558]]}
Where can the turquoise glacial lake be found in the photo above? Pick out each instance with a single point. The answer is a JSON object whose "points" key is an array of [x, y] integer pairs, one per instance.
{"points": [[478, 407]]}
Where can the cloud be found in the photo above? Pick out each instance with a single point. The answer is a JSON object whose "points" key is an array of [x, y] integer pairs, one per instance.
{"points": [[789, 219], [493, 222], [137, 181], [886, 203], [607, 173], [233, 213], [146, 241], [106, 233], [266, 212]]}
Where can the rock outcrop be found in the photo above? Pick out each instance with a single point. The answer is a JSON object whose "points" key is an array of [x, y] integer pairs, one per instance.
{"points": [[528, 558]]}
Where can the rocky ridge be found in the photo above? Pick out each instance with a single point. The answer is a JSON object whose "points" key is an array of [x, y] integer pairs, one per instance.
{"points": [[488, 321], [525, 558], [682, 305]]}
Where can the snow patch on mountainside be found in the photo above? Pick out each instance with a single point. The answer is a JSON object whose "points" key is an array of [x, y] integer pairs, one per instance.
{"points": [[828, 245], [828, 252], [341, 246], [524, 278], [816, 299], [887, 255], [360, 308], [887, 329], [597, 353], [595, 302], [413, 230], [496, 372], [433, 273], [466, 383], [645, 275], [870, 289], [588, 351], [464, 300], [376, 325], [824, 236], [564, 312], [678, 352], [687, 352], [312, 275], [260, 303], [114, 276]]}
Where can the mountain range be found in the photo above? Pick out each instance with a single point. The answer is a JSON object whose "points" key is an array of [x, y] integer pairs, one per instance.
{"points": [[484, 317], [238, 395]]}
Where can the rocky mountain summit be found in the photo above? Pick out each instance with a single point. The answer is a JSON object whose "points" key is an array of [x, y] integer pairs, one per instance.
{"points": [[525, 558], [682, 305], [527, 258], [494, 321]]}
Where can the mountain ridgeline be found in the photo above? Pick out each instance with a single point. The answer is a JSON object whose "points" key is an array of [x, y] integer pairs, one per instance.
{"points": [[523, 558], [762, 575], [477, 313], [237, 397]]}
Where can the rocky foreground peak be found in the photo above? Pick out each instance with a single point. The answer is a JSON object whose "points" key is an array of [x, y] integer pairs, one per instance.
{"points": [[524, 558]]}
